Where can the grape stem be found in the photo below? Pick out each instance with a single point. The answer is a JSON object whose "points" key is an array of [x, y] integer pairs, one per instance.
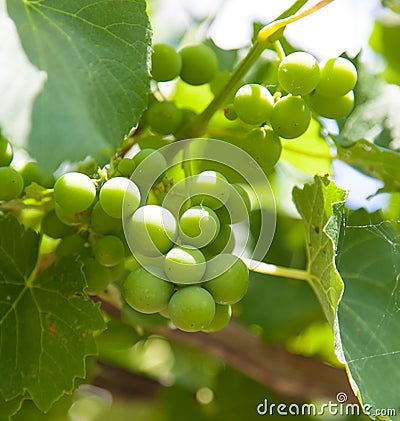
{"points": [[266, 37], [269, 269]]}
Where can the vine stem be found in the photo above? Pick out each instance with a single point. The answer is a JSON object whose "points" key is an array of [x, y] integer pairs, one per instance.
{"points": [[264, 39], [269, 269]]}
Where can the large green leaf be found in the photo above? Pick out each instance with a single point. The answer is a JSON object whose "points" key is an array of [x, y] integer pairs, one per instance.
{"points": [[96, 56], [373, 160], [46, 322], [321, 206], [368, 317]]}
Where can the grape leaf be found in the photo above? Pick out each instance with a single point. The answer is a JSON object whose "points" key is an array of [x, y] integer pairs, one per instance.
{"points": [[46, 322], [96, 55], [368, 338], [321, 206], [374, 161], [10, 408]]}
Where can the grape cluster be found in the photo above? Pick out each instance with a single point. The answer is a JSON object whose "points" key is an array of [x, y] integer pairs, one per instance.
{"points": [[304, 86]]}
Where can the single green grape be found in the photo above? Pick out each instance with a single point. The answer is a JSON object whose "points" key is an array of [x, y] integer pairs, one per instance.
{"points": [[97, 276], [219, 81], [146, 292], [53, 227], [166, 63], [102, 222], [338, 77], [209, 188], [224, 242], [74, 192], [117, 336], [11, 183], [72, 245], [164, 117], [199, 64], [109, 250], [191, 308], [71, 218], [6, 152], [117, 194], [184, 265], [264, 146], [223, 314], [153, 168], [290, 117], [229, 278], [237, 208], [199, 226], [31, 172], [332, 107], [151, 230], [299, 73], [230, 113], [117, 272], [126, 167], [253, 104]]}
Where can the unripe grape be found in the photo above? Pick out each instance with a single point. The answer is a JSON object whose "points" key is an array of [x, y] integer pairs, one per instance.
{"points": [[72, 245], [118, 193], [222, 317], [338, 77], [126, 167], [290, 117], [166, 63], [102, 222], [152, 169], [237, 208], [199, 64], [117, 271], [299, 73], [146, 292], [164, 117], [97, 276], [223, 243], [151, 230], [74, 192], [11, 183], [31, 172], [199, 225], [253, 104], [209, 188], [332, 106], [53, 227], [6, 152], [229, 278], [70, 218], [109, 250], [191, 308], [264, 146], [185, 265]]}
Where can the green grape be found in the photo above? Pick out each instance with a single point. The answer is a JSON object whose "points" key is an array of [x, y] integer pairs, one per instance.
{"points": [[199, 64], [53, 227], [237, 207], [117, 271], [188, 121], [219, 81], [191, 308], [71, 218], [290, 117], [146, 292], [209, 188], [117, 336], [6, 152], [230, 113], [117, 194], [31, 172], [185, 265], [223, 243], [109, 250], [332, 107], [338, 76], [97, 276], [164, 117], [229, 278], [153, 169], [151, 230], [253, 104], [166, 63], [223, 314], [72, 245], [164, 313], [126, 167], [264, 146], [74, 192], [299, 73], [102, 222], [199, 225], [11, 183]]}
